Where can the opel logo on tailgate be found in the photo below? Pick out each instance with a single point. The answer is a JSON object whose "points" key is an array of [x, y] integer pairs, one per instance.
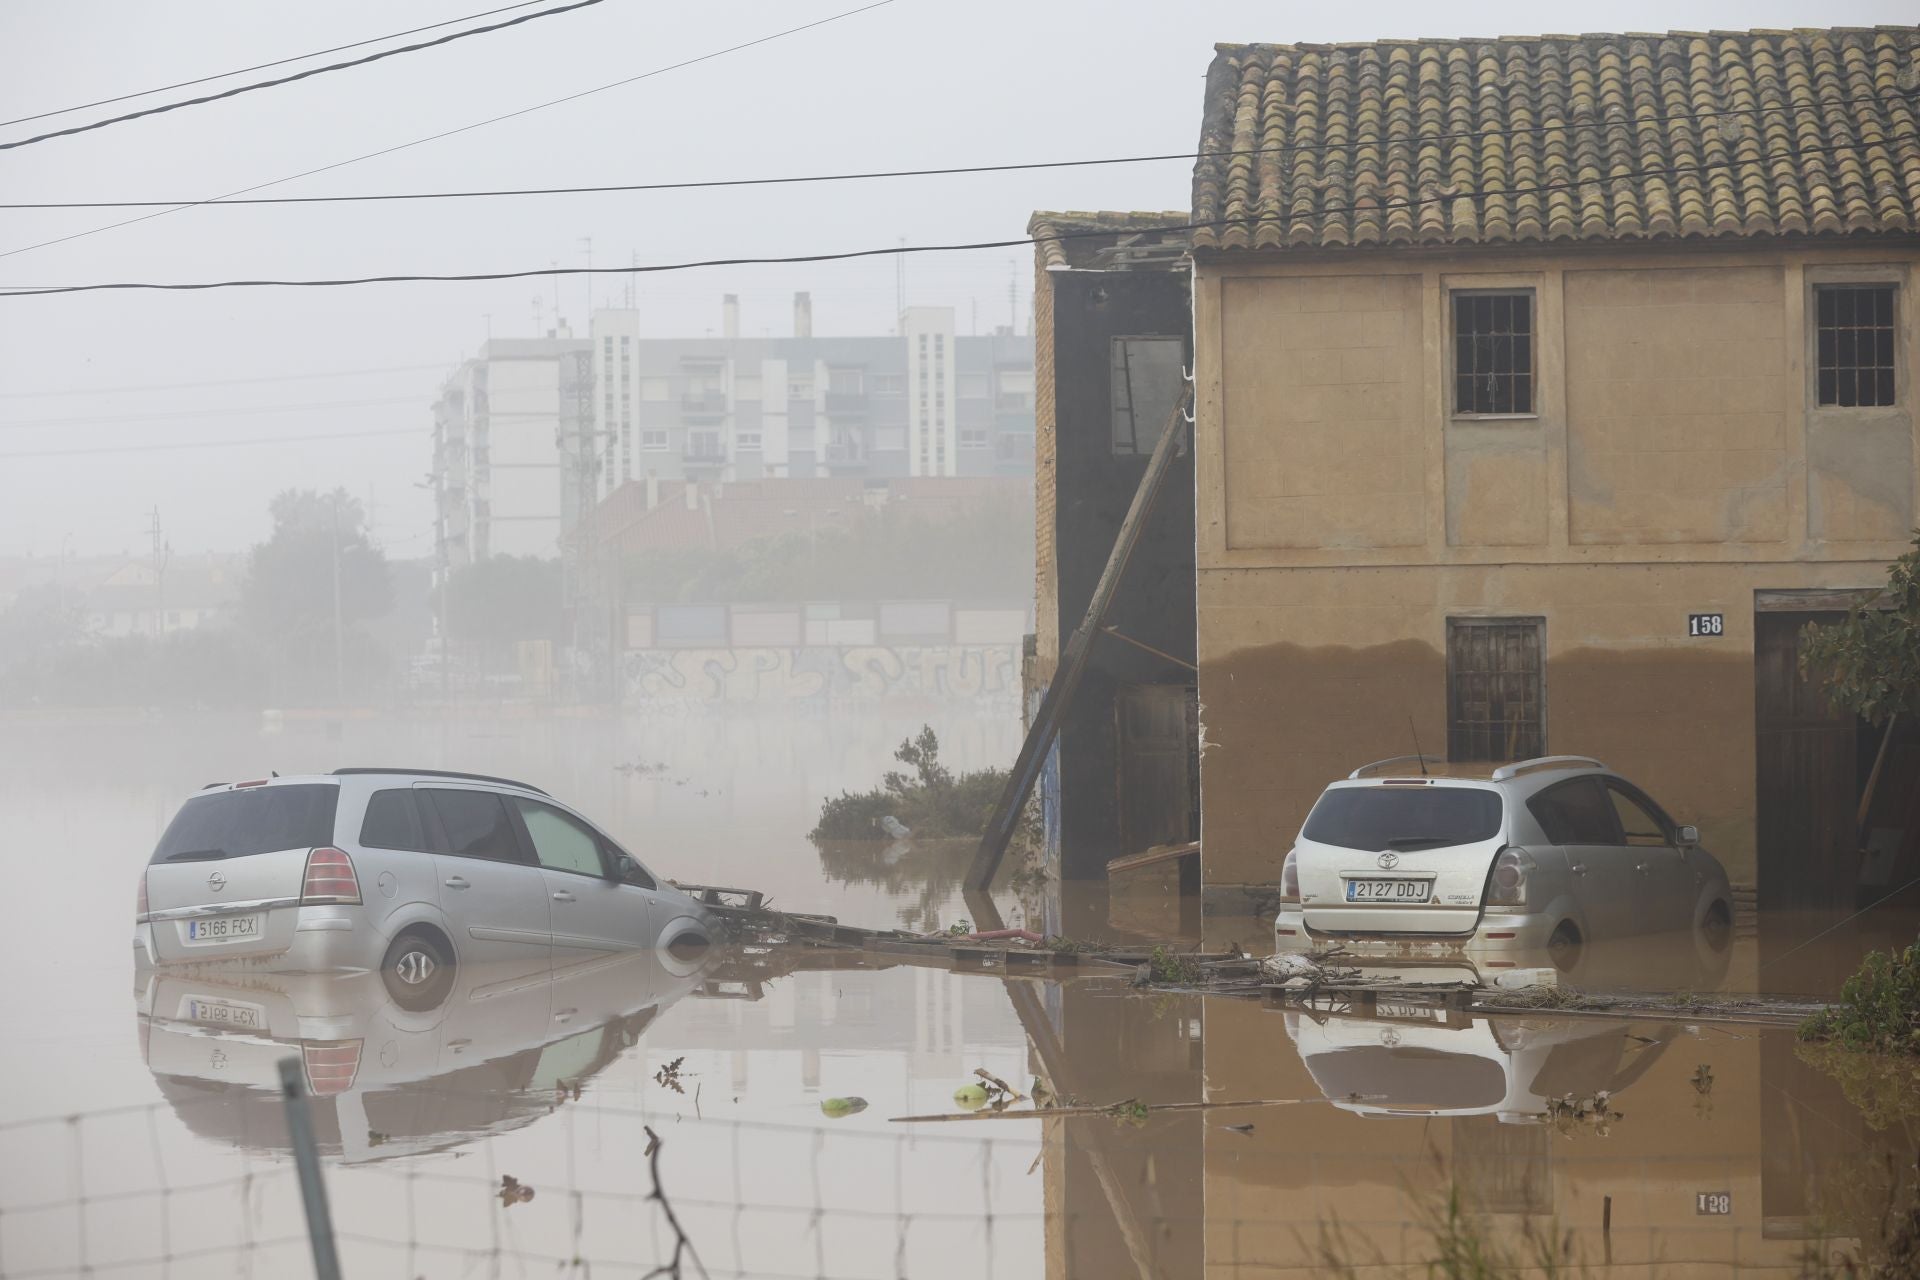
{"points": [[1388, 861], [217, 882]]}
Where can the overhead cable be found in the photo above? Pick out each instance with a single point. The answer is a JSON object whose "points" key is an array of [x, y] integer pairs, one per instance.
{"points": [[448, 133], [221, 382], [262, 66], [952, 170], [214, 444], [1376, 206], [298, 75]]}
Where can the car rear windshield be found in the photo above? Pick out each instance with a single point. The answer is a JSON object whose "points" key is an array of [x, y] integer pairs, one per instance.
{"points": [[235, 824], [1383, 817]]}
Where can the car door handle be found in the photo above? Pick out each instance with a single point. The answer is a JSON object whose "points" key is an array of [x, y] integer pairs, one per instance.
{"points": [[1578, 868], [1643, 867], [455, 882], [563, 896]]}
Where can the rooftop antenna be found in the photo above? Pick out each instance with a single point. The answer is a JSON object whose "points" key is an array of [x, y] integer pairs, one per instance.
{"points": [[1417, 753]]}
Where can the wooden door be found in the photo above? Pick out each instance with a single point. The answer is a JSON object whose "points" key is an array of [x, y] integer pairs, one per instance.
{"points": [[1806, 775], [1158, 734]]}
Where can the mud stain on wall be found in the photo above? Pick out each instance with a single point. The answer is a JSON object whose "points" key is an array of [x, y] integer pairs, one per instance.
{"points": [[1283, 720]]}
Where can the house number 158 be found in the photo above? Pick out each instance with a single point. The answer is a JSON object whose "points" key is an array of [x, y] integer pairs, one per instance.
{"points": [[1706, 624]]}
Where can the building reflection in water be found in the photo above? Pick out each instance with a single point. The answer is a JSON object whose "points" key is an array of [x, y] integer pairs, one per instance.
{"points": [[1717, 1145]]}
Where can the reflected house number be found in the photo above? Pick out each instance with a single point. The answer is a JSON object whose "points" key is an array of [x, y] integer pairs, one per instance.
{"points": [[1713, 1202], [1706, 624]]}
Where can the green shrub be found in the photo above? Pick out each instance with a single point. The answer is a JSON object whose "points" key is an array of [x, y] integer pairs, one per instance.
{"points": [[931, 802], [1879, 1009]]}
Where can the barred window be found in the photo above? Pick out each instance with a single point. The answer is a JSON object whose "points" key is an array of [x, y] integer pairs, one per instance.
{"points": [[1854, 332], [1493, 352]]}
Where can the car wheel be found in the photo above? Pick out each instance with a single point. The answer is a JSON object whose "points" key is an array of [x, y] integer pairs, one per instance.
{"points": [[418, 972], [1716, 929], [1563, 947]]}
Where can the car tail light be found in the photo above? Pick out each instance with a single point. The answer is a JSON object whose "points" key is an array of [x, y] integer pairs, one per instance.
{"points": [[331, 1065], [1290, 877], [1507, 882], [140, 900], [330, 878]]}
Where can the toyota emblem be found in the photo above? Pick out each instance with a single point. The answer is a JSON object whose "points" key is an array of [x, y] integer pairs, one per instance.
{"points": [[1388, 861], [216, 882]]}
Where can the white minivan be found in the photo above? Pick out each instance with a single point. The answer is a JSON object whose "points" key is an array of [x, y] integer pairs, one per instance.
{"points": [[407, 871]]}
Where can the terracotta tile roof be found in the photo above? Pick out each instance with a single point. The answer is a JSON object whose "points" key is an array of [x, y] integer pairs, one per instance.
{"points": [[1705, 133], [1073, 237]]}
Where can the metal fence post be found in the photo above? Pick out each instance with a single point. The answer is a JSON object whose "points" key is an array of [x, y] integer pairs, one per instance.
{"points": [[306, 1159]]}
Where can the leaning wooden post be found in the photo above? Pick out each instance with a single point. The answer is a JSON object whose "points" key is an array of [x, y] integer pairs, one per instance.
{"points": [[1073, 658]]}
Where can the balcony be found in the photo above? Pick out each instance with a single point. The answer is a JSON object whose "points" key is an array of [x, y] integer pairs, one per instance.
{"points": [[705, 451], [847, 455], [847, 403], [704, 404]]}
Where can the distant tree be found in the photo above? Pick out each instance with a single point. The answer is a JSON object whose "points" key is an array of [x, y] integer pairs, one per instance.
{"points": [[1869, 661], [38, 621], [504, 599], [287, 602]]}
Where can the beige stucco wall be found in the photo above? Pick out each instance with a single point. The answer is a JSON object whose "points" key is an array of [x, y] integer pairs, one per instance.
{"points": [[1674, 466]]}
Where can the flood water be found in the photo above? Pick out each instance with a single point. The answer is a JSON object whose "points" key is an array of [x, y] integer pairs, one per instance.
{"points": [[143, 1136]]}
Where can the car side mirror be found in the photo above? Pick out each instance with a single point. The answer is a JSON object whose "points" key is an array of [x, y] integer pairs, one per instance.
{"points": [[624, 868], [1689, 837]]}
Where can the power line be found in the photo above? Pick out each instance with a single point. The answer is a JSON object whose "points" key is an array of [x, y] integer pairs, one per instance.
{"points": [[224, 382], [907, 250], [186, 414], [478, 124], [870, 174], [298, 75], [263, 66], [241, 441]]}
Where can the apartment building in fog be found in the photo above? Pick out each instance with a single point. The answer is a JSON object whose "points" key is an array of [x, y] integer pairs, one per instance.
{"points": [[925, 401]]}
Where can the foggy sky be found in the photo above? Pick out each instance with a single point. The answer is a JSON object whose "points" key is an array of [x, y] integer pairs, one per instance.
{"points": [[914, 84]]}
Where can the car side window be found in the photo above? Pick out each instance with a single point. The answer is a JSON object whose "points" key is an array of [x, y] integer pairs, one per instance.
{"points": [[1575, 812], [1639, 827], [476, 824], [393, 822], [561, 842]]}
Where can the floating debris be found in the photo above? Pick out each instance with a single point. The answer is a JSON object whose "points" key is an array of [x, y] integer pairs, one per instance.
{"points": [[513, 1191], [838, 1107], [670, 1076]]}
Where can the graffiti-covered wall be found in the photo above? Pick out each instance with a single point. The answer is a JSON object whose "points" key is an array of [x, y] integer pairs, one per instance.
{"points": [[822, 679]]}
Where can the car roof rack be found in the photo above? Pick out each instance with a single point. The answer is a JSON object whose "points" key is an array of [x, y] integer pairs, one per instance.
{"points": [[447, 773], [1519, 767], [1422, 760]]}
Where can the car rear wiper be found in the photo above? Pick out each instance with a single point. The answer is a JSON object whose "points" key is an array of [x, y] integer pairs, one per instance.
{"points": [[196, 855], [1417, 842]]}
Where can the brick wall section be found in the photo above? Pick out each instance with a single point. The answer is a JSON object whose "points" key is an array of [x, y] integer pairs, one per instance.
{"points": [[1046, 603]]}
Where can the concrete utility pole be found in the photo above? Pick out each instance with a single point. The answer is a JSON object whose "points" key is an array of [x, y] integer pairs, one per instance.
{"points": [[339, 642], [161, 553]]}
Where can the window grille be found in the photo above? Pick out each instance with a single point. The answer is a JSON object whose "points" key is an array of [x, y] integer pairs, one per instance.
{"points": [[1493, 352], [1854, 334]]}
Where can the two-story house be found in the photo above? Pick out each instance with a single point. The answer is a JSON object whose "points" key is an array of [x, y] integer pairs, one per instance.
{"points": [[1546, 387]]}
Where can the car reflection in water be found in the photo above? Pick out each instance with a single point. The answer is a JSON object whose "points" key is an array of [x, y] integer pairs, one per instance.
{"points": [[506, 1045], [1408, 1057]]}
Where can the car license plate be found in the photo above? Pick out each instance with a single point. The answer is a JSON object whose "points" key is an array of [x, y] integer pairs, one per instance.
{"points": [[222, 1013], [224, 928], [1409, 1012], [1381, 890]]}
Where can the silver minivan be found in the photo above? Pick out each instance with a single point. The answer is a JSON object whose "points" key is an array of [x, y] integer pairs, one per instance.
{"points": [[407, 871]]}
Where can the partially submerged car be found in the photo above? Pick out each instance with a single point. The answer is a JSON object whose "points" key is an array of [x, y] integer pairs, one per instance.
{"points": [[408, 872], [1546, 854]]}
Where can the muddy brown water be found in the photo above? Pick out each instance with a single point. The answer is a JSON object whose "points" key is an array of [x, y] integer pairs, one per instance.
{"points": [[142, 1138]]}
